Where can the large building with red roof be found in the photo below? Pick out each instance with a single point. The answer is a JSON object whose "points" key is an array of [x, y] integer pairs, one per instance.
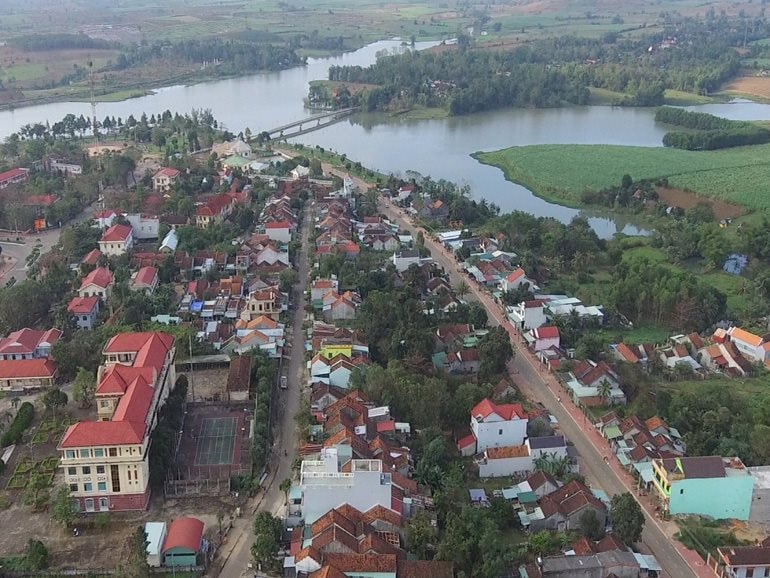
{"points": [[117, 240], [106, 461], [13, 177], [497, 426]]}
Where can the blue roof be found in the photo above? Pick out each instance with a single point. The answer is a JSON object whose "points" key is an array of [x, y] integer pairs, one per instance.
{"points": [[196, 306], [155, 531], [735, 264], [478, 495], [295, 493]]}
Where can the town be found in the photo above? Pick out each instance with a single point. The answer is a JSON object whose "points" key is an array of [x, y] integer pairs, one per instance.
{"points": [[230, 357]]}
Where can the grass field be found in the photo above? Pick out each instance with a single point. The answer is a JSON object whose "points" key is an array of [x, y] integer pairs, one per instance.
{"points": [[739, 175]]}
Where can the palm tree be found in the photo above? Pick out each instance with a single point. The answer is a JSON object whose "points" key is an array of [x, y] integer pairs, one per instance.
{"points": [[557, 466], [462, 289], [605, 390]]}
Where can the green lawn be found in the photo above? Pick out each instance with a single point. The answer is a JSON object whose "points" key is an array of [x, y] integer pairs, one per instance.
{"points": [[740, 175]]}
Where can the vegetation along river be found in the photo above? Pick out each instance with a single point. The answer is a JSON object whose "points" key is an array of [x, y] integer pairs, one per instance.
{"points": [[440, 148]]}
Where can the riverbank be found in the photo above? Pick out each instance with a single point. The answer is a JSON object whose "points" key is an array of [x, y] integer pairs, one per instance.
{"points": [[739, 176]]}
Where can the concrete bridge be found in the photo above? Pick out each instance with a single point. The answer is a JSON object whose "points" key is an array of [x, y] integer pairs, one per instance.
{"points": [[309, 124]]}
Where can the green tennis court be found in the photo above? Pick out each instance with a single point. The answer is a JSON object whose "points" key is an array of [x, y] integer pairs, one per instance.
{"points": [[216, 441]]}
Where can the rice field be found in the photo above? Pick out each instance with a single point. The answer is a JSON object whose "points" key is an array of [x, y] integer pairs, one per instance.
{"points": [[738, 175]]}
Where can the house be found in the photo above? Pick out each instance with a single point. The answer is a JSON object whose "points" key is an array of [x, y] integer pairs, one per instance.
{"points": [[143, 227], [239, 378], [117, 240], [519, 460], [542, 483], [610, 564], [268, 302], [90, 260], [164, 179], [515, 279], [145, 279], [27, 374], [325, 485], [63, 167], [593, 384], [725, 357], [84, 311], [320, 287], [105, 463], [712, 486], [494, 425], [234, 147], [381, 242], [564, 508], [13, 177], [405, 259], [436, 210], [97, 283], [464, 361], [215, 210], [528, 314], [28, 344], [279, 231], [169, 243], [743, 561], [542, 338], [341, 307], [753, 347], [624, 353], [183, 542], [299, 172], [104, 218]]}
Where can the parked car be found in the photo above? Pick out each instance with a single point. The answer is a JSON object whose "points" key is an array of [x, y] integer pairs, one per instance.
{"points": [[284, 382]]}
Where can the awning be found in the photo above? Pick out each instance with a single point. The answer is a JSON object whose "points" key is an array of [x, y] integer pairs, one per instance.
{"points": [[612, 432]]}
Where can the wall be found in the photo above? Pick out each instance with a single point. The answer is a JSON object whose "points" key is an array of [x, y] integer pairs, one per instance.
{"points": [[505, 467], [488, 432], [719, 498]]}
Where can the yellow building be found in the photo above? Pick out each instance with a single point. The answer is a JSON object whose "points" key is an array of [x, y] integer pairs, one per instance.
{"points": [[105, 462]]}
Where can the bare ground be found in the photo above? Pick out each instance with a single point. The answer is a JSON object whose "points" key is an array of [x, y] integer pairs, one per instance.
{"points": [[687, 200], [751, 85]]}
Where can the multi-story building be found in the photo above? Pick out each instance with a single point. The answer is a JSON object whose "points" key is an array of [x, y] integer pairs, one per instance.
{"points": [[164, 179], [28, 344], [496, 426], [743, 562], [713, 486], [326, 484], [105, 462], [117, 240]]}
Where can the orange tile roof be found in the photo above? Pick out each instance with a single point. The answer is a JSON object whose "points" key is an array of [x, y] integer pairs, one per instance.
{"points": [[736, 333], [626, 353], [506, 411], [27, 368], [353, 563], [106, 433], [116, 233], [101, 277], [507, 452]]}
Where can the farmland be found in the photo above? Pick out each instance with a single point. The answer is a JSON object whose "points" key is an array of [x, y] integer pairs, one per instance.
{"points": [[738, 175]]}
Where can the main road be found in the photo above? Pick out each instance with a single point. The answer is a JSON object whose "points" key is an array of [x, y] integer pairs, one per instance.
{"points": [[537, 385], [237, 552]]}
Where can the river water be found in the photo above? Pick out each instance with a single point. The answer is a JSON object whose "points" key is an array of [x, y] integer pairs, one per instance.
{"points": [[439, 148]]}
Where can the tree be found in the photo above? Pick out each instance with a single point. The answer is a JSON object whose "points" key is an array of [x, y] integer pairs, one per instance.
{"points": [[495, 351], [36, 492], [36, 556], [63, 506], [462, 289], [627, 518], [134, 564], [552, 464], [287, 279], [604, 390], [591, 525], [420, 534], [267, 536], [54, 399], [84, 387]]}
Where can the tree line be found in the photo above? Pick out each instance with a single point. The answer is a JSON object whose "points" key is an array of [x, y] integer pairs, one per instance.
{"points": [[60, 41], [713, 132]]}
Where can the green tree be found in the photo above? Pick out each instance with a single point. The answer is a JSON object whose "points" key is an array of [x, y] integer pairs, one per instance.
{"points": [[420, 534], [605, 390], [287, 279], [627, 518], [553, 464], [591, 525], [495, 351], [63, 507], [36, 491], [36, 556], [267, 536], [54, 399], [84, 387]]}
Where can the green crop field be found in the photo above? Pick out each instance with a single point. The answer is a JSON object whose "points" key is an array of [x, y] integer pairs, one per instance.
{"points": [[739, 175]]}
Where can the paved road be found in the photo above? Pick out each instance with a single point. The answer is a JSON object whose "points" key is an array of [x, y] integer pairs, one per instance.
{"points": [[272, 499], [537, 385], [45, 240]]}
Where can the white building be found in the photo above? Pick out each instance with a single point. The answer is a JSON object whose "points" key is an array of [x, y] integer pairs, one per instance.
{"points": [[325, 486], [528, 314], [519, 460], [143, 227], [496, 426], [279, 231], [405, 259]]}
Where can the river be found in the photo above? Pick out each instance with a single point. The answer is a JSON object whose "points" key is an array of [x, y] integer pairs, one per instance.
{"points": [[439, 148]]}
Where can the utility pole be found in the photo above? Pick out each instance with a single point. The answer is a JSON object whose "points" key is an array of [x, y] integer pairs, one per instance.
{"points": [[192, 380]]}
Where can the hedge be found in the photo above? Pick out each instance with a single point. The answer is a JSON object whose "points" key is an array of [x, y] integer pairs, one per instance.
{"points": [[19, 425]]}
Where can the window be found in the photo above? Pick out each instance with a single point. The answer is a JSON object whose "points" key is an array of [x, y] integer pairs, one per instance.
{"points": [[86, 470], [681, 491], [113, 452], [85, 317], [99, 469], [749, 572], [499, 432], [88, 487], [99, 453], [73, 487], [115, 476], [72, 471], [70, 454], [101, 486], [104, 504], [85, 453]]}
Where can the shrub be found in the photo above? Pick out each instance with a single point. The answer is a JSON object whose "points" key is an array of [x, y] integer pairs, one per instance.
{"points": [[20, 424]]}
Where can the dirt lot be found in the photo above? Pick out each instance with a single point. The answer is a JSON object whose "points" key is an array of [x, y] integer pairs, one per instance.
{"points": [[209, 384], [752, 85], [687, 200]]}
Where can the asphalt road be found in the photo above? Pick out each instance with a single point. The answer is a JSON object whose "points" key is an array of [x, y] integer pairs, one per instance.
{"points": [[271, 498], [527, 377]]}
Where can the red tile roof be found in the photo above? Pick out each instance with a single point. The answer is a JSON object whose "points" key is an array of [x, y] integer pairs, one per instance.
{"points": [[358, 563], [133, 342], [185, 533], [508, 411], [167, 172], [82, 305], [145, 276], [116, 233], [627, 354], [27, 368], [105, 433], [101, 277], [516, 274], [549, 332], [278, 225], [116, 378], [91, 257], [466, 442], [13, 174], [26, 341], [40, 200]]}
